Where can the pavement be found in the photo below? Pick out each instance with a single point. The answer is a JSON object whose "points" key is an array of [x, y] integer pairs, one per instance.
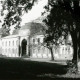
{"points": [[63, 62]]}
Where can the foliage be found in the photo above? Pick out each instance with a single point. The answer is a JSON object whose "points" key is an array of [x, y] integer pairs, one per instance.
{"points": [[56, 22], [4, 31], [72, 68], [14, 10], [63, 18]]}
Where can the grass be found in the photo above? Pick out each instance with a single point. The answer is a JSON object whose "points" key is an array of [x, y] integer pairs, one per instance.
{"points": [[20, 68]]}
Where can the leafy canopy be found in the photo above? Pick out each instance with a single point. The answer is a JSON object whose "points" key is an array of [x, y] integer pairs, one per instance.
{"points": [[15, 9], [63, 17]]}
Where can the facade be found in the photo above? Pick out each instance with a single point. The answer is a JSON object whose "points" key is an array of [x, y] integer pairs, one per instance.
{"points": [[28, 42]]}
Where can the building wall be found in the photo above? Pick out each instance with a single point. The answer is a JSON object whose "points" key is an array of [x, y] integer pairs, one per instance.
{"points": [[10, 47], [38, 50]]}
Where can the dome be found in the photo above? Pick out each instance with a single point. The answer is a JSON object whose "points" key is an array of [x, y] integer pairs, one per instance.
{"points": [[34, 27], [15, 32]]}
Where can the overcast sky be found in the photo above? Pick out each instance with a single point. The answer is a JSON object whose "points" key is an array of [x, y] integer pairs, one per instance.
{"points": [[35, 12]]}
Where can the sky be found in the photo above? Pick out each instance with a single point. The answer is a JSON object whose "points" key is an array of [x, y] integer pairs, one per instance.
{"points": [[35, 12]]}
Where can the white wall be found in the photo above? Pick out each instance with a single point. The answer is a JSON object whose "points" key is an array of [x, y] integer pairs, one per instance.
{"points": [[63, 52], [10, 47]]}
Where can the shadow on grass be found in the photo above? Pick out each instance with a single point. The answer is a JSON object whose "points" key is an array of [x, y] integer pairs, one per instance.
{"points": [[19, 68]]}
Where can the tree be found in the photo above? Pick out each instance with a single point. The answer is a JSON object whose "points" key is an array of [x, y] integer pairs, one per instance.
{"points": [[14, 10], [4, 32], [63, 18]]}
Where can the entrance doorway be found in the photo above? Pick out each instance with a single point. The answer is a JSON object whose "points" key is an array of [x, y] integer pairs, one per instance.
{"points": [[24, 47]]}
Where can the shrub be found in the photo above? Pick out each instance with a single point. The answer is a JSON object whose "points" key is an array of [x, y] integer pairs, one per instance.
{"points": [[72, 67]]}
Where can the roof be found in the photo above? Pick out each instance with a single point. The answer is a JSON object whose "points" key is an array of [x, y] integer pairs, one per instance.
{"points": [[15, 32], [34, 27], [11, 36]]}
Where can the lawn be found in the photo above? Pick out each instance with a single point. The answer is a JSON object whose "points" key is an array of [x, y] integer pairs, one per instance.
{"points": [[21, 69]]}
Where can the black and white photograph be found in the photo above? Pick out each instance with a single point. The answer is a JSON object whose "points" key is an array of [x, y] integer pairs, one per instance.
{"points": [[39, 39]]}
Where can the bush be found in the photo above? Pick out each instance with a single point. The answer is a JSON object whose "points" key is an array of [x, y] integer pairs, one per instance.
{"points": [[72, 67]]}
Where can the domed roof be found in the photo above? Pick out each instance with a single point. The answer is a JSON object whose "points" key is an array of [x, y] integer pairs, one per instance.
{"points": [[34, 27], [16, 31]]}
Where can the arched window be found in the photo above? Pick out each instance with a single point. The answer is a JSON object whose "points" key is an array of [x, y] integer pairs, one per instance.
{"points": [[13, 50]]}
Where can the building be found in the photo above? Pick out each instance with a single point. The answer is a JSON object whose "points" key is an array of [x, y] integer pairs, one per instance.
{"points": [[28, 40]]}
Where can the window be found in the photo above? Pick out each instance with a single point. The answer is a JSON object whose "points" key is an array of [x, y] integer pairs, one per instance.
{"points": [[13, 50], [13, 43], [9, 43], [38, 40], [39, 49], [6, 43], [33, 41]]}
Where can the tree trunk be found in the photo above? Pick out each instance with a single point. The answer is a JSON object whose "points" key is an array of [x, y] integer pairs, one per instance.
{"points": [[74, 52], [79, 46], [76, 49], [74, 41], [74, 67], [52, 56]]}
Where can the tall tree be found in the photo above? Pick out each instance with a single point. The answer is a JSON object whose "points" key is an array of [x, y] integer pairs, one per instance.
{"points": [[63, 17]]}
